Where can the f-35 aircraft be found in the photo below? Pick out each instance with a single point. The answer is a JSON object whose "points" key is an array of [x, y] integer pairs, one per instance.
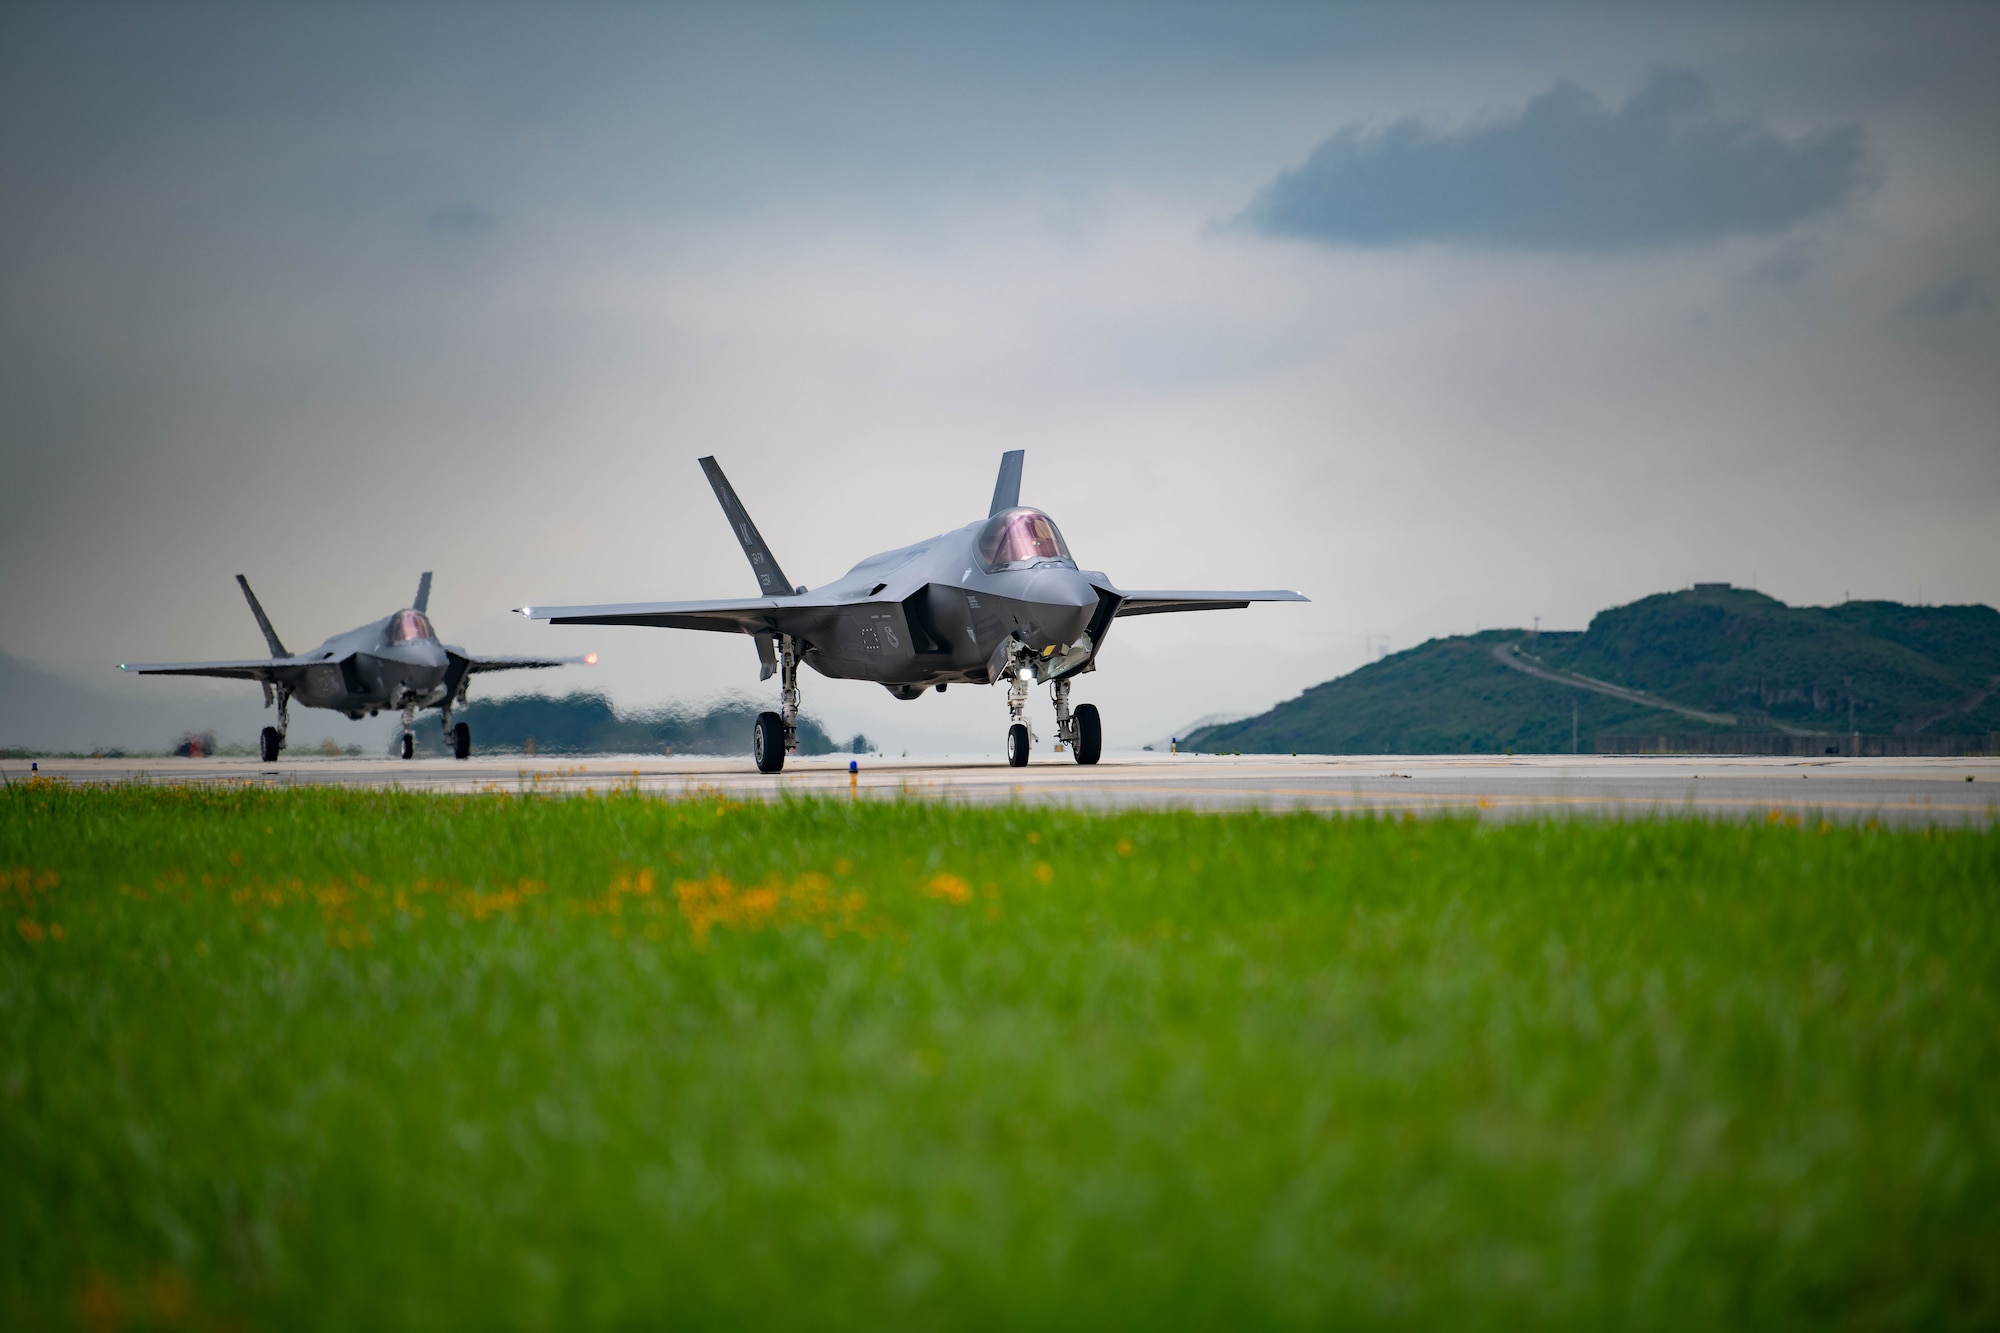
{"points": [[395, 662], [999, 599]]}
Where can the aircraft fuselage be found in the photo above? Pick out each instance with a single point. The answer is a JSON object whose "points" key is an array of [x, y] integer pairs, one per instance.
{"points": [[391, 663], [933, 613]]}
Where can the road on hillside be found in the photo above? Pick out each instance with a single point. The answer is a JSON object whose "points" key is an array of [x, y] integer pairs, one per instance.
{"points": [[1507, 655]]}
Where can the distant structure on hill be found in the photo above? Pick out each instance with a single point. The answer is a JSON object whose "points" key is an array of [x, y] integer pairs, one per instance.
{"points": [[1714, 669]]}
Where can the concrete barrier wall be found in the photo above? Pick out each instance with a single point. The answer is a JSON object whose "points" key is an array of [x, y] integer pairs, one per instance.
{"points": [[1779, 743]]}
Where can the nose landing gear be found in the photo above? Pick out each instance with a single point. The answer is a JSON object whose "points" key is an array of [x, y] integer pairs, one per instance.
{"points": [[1020, 735]]}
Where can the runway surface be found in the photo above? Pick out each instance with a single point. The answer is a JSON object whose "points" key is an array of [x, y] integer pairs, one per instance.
{"points": [[1903, 791]]}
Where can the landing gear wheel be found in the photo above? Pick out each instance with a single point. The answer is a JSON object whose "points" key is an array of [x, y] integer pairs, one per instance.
{"points": [[1089, 734], [1017, 745], [767, 743], [409, 746], [269, 743], [461, 742]]}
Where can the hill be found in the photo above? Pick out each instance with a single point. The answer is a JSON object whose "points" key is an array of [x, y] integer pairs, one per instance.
{"points": [[1717, 660], [589, 724]]}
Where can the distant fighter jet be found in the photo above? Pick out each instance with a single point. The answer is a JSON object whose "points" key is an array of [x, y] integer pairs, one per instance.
{"points": [[999, 599], [395, 662]]}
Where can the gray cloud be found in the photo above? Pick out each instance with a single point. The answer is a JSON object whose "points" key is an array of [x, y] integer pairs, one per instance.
{"points": [[460, 219], [1566, 173], [1947, 300]]}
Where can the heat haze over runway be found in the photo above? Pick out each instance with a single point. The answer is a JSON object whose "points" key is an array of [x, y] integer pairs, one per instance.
{"points": [[1903, 791]]}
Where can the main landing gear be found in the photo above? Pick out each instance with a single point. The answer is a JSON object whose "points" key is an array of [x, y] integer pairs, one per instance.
{"points": [[459, 737], [777, 734], [272, 739], [1080, 730], [409, 732]]}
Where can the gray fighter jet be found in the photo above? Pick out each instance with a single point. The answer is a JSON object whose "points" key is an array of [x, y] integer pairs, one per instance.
{"points": [[395, 662], [999, 599]]}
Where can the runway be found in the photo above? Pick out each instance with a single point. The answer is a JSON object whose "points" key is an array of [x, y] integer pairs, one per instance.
{"points": [[1901, 791]]}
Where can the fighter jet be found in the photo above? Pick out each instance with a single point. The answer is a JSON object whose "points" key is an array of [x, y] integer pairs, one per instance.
{"points": [[1000, 599], [395, 662]]}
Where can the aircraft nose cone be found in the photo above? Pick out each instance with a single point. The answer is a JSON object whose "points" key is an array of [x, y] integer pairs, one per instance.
{"points": [[1067, 602]]}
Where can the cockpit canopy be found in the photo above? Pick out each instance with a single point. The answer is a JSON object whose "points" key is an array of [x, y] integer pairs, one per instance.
{"points": [[407, 625], [1018, 536]]}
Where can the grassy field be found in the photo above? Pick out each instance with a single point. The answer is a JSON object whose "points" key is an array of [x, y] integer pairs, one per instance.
{"points": [[321, 1059]]}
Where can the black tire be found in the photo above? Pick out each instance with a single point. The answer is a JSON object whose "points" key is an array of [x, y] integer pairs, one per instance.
{"points": [[461, 742], [270, 742], [767, 743], [1089, 734], [409, 746], [1017, 745]]}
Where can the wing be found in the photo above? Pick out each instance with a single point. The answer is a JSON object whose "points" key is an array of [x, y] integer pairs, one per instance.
{"points": [[758, 615], [476, 665], [462, 664], [1157, 601], [265, 668]]}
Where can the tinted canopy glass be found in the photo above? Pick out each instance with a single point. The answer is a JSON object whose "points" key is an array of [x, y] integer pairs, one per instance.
{"points": [[407, 625], [1014, 536]]}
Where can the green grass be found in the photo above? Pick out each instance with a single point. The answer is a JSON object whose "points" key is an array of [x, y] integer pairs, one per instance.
{"points": [[320, 1059]]}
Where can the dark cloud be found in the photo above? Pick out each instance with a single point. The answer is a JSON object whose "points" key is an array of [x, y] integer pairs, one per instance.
{"points": [[1947, 300], [1566, 173], [461, 219]]}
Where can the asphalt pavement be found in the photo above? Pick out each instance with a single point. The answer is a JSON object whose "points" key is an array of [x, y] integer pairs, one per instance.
{"points": [[1901, 791]]}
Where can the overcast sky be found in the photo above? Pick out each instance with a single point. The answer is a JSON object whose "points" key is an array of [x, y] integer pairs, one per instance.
{"points": [[1444, 316]]}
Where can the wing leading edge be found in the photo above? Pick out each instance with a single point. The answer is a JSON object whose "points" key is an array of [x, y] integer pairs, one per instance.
{"points": [[762, 615], [268, 668], [1158, 601]]}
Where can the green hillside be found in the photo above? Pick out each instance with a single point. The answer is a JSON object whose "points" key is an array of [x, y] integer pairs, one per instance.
{"points": [[588, 724], [1911, 671]]}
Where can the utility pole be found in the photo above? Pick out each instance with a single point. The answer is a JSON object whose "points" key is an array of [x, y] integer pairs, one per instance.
{"points": [[1572, 726], [1853, 736]]}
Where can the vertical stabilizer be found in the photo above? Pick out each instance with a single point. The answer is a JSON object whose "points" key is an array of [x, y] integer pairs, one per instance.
{"points": [[423, 602], [263, 621], [1007, 490], [771, 580]]}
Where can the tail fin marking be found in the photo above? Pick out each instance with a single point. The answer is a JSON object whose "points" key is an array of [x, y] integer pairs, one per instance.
{"points": [[771, 580]]}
